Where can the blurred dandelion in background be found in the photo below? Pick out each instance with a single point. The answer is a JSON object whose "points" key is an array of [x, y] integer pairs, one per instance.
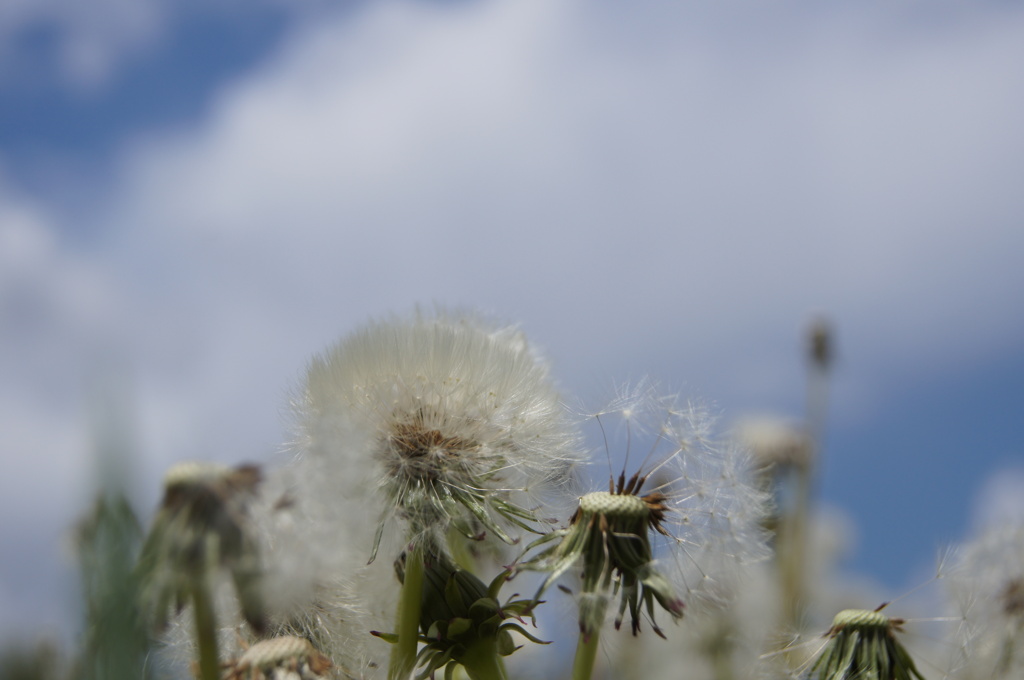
{"points": [[988, 586]]}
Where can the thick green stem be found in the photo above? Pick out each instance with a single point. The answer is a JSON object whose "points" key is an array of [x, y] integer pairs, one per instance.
{"points": [[586, 653], [482, 662], [206, 631], [403, 654]]}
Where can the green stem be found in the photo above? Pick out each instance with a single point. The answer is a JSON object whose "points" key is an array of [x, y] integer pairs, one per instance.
{"points": [[793, 549], [403, 654], [481, 661], [795, 542], [206, 631], [721, 651], [586, 652]]}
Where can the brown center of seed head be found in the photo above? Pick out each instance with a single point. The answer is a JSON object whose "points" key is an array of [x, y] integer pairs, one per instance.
{"points": [[424, 451]]}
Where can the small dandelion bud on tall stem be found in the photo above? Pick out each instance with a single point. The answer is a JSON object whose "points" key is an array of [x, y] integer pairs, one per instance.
{"points": [[794, 528]]}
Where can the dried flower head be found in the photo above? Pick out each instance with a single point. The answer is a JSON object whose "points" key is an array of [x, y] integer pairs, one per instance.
{"points": [[609, 535], [200, 528], [863, 644], [672, 529], [458, 420], [281, 658]]}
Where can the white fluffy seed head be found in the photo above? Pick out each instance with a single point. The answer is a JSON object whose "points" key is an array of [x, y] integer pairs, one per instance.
{"points": [[988, 585], [437, 408]]}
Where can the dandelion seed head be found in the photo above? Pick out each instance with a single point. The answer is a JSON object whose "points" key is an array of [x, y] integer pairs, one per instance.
{"points": [[679, 515], [308, 584], [457, 419], [312, 570], [988, 584]]}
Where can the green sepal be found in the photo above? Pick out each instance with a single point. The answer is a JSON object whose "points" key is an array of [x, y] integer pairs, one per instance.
{"points": [[458, 626], [483, 609], [460, 616], [516, 515], [505, 644], [522, 631], [452, 595], [386, 637], [480, 512], [494, 587], [376, 540]]}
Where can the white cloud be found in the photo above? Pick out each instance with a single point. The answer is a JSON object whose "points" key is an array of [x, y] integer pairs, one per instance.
{"points": [[1000, 500], [58, 313], [544, 158]]}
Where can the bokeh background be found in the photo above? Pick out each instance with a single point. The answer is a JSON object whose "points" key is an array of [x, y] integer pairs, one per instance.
{"points": [[196, 196]]}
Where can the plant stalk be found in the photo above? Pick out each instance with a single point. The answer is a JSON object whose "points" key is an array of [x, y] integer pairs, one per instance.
{"points": [[206, 631], [586, 653], [403, 654]]}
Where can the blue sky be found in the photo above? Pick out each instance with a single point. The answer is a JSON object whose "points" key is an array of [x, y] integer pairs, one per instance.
{"points": [[195, 197]]}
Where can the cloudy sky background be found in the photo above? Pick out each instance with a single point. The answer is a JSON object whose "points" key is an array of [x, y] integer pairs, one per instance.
{"points": [[195, 197]]}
